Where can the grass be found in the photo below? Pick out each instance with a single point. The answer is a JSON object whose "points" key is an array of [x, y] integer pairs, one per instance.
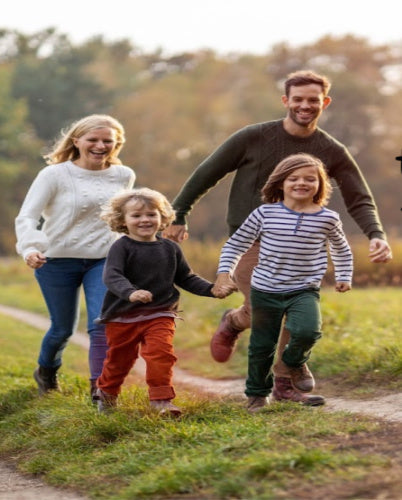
{"points": [[216, 450], [361, 337], [361, 341]]}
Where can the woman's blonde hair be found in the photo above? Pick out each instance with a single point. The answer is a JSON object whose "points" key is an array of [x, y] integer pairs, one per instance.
{"points": [[64, 148], [272, 191], [114, 210]]}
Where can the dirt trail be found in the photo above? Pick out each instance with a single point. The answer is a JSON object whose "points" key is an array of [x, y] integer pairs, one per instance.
{"points": [[14, 486], [386, 407]]}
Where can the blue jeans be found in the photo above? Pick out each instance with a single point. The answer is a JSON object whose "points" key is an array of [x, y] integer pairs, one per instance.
{"points": [[60, 280]]}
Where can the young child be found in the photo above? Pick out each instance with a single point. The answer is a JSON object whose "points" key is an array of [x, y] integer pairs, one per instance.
{"points": [[293, 228], [140, 305]]}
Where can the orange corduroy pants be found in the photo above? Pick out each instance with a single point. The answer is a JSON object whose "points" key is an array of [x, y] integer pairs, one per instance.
{"points": [[155, 338]]}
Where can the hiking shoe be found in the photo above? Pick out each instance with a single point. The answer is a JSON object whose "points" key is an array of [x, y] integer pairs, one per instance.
{"points": [[106, 402], [302, 378], [283, 391], [46, 378], [165, 407], [224, 340], [256, 403]]}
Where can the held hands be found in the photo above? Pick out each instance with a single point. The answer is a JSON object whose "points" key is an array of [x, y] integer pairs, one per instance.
{"points": [[35, 260], [176, 232], [223, 286], [379, 251], [141, 295], [341, 286]]}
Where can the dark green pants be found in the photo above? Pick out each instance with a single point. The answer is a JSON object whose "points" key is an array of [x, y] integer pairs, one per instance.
{"points": [[303, 320]]}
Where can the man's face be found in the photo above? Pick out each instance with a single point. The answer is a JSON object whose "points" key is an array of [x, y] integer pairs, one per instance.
{"points": [[305, 104]]}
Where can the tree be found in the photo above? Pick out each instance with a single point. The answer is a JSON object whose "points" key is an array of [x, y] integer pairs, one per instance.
{"points": [[19, 147], [57, 87]]}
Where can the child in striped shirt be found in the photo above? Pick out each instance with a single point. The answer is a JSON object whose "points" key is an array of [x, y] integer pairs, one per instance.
{"points": [[294, 231]]}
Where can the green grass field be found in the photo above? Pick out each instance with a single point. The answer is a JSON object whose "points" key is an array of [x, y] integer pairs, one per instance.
{"points": [[216, 450]]}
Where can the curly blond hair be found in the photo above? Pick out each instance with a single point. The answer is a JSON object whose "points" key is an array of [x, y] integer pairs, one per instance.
{"points": [[272, 191], [113, 212]]}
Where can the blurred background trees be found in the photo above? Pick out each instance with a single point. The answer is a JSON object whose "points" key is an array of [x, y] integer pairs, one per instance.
{"points": [[176, 110]]}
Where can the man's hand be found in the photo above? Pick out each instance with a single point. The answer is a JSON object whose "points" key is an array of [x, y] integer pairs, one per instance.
{"points": [[176, 232], [379, 251], [341, 286]]}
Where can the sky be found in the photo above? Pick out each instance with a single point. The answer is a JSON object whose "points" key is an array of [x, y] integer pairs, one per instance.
{"points": [[175, 26]]}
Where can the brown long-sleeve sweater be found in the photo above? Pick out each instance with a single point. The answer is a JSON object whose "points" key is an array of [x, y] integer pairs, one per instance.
{"points": [[254, 151]]}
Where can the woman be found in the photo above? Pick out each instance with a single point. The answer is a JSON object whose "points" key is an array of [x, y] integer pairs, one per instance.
{"points": [[69, 249]]}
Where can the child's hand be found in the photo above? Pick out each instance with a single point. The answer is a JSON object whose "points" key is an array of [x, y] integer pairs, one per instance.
{"points": [[223, 286], [340, 286], [141, 295]]}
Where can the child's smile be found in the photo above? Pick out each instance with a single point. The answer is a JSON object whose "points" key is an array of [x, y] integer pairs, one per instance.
{"points": [[142, 221]]}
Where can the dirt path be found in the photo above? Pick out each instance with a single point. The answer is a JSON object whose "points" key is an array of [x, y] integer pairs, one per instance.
{"points": [[386, 407], [14, 486]]}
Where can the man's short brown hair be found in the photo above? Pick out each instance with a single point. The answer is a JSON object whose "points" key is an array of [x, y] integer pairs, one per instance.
{"points": [[299, 78]]}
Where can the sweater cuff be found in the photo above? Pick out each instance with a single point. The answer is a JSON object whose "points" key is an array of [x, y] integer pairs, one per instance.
{"points": [[377, 234], [180, 220]]}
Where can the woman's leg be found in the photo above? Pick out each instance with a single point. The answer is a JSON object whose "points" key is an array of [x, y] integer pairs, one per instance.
{"points": [[94, 290], [59, 280]]}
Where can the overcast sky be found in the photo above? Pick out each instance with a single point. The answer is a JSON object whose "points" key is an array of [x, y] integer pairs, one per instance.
{"points": [[222, 25]]}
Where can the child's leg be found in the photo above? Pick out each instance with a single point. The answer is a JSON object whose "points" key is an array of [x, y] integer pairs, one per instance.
{"points": [[123, 341], [158, 353], [267, 315], [303, 320]]}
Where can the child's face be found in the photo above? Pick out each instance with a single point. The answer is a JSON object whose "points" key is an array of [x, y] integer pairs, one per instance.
{"points": [[142, 221], [301, 185]]}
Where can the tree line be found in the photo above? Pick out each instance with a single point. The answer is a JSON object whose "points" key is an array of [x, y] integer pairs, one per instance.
{"points": [[177, 109]]}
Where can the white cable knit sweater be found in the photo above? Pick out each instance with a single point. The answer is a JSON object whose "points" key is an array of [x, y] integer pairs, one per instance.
{"points": [[69, 198]]}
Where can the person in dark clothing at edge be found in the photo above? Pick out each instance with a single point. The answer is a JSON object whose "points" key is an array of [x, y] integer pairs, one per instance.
{"points": [[252, 152]]}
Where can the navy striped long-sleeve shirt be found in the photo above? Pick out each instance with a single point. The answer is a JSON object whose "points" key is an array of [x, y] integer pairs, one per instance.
{"points": [[294, 248]]}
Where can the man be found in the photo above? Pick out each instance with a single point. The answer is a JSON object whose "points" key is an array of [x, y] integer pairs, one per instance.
{"points": [[252, 153]]}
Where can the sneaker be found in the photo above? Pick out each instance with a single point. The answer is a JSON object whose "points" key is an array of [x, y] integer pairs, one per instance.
{"points": [[283, 391], [256, 403], [93, 392], [165, 407], [224, 340], [302, 378], [46, 378], [106, 402]]}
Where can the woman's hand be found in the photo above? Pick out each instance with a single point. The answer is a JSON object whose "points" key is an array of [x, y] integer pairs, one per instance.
{"points": [[35, 260]]}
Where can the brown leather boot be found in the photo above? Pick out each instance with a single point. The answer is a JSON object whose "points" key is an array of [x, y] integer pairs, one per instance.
{"points": [[302, 378], [283, 390], [223, 342], [256, 403]]}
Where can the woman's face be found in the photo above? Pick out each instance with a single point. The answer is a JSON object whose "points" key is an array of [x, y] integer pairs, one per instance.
{"points": [[95, 148]]}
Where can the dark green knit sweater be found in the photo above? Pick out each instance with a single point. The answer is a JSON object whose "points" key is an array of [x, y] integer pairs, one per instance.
{"points": [[254, 151]]}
